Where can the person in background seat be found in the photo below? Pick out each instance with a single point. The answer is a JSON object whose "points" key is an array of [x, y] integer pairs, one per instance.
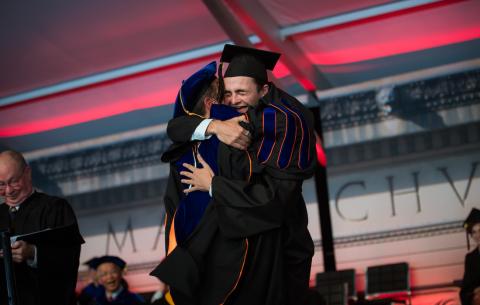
{"points": [[470, 292], [114, 290]]}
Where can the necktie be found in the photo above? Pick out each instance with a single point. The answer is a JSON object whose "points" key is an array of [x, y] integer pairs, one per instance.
{"points": [[13, 213]]}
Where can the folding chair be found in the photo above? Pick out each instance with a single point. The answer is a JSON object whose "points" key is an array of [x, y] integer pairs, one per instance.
{"points": [[337, 287], [390, 283]]}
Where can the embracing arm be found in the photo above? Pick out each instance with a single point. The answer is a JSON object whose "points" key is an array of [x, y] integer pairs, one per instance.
{"points": [[187, 128], [180, 129], [244, 207]]}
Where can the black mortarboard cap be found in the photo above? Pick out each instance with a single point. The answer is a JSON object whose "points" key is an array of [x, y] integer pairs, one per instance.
{"points": [[250, 62], [472, 219], [92, 263], [193, 88], [112, 259]]}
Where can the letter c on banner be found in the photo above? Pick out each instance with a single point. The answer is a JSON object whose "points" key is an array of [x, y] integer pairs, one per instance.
{"points": [[337, 201]]}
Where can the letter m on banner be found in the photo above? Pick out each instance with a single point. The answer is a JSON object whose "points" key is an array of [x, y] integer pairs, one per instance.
{"points": [[120, 245]]}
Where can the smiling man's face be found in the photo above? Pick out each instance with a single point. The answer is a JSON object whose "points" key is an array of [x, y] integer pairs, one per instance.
{"points": [[242, 92], [15, 180], [110, 276]]}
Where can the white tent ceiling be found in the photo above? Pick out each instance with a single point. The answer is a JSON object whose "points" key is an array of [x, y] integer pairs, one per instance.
{"points": [[76, 70]]}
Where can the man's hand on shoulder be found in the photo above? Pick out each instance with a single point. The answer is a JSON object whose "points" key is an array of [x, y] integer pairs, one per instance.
{"points": [[200, 179], [230, 132]]}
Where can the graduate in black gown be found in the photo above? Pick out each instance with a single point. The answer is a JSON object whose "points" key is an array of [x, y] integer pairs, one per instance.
{"points": [[185, 213], [46, 273], [263, 214], [470, 292]]}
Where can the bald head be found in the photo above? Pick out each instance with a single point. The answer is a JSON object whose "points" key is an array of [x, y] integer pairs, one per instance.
{"points": [[14, 157], [15, 178]]}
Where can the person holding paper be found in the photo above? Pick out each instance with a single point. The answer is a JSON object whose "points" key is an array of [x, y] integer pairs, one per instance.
{"points": [[45, 271]]}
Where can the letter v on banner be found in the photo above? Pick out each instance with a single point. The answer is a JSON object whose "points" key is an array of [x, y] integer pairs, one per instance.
{"points": [[444, 171]]}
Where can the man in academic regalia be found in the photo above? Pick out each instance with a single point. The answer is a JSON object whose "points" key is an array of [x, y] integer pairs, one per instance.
{"points": [[266, 211], [185, 213], [114, 289], [45, 273], [470, 292]]}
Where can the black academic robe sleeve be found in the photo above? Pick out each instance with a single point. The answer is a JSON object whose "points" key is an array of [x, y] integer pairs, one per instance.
{"points": [[180, 129], [246, 208], [58, 264], [471, 276]]}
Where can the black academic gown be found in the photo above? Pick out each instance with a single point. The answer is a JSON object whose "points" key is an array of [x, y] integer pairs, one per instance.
{"points": [[54, 279], [471, 277], [259, 217], [205, 248]]}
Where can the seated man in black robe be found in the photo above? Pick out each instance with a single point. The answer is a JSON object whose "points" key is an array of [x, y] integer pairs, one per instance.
{"points": [[114, 289], [266, 210], [45, 273], [470, 292]]}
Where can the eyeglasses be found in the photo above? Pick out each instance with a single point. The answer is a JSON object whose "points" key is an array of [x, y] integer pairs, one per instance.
{"points": [[14, 182]]}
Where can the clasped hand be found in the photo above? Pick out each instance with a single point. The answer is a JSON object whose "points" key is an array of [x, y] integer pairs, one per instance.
{"points": [[231, 132], [21, 251], [200, 179]]}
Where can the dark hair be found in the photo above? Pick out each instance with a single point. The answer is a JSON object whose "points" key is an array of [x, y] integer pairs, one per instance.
{"points": [[259, 84], [470, 226], [209, 92]]}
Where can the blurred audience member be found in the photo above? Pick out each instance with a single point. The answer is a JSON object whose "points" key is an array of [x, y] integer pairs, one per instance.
{"points": [[113, 289], [470, 292]]}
